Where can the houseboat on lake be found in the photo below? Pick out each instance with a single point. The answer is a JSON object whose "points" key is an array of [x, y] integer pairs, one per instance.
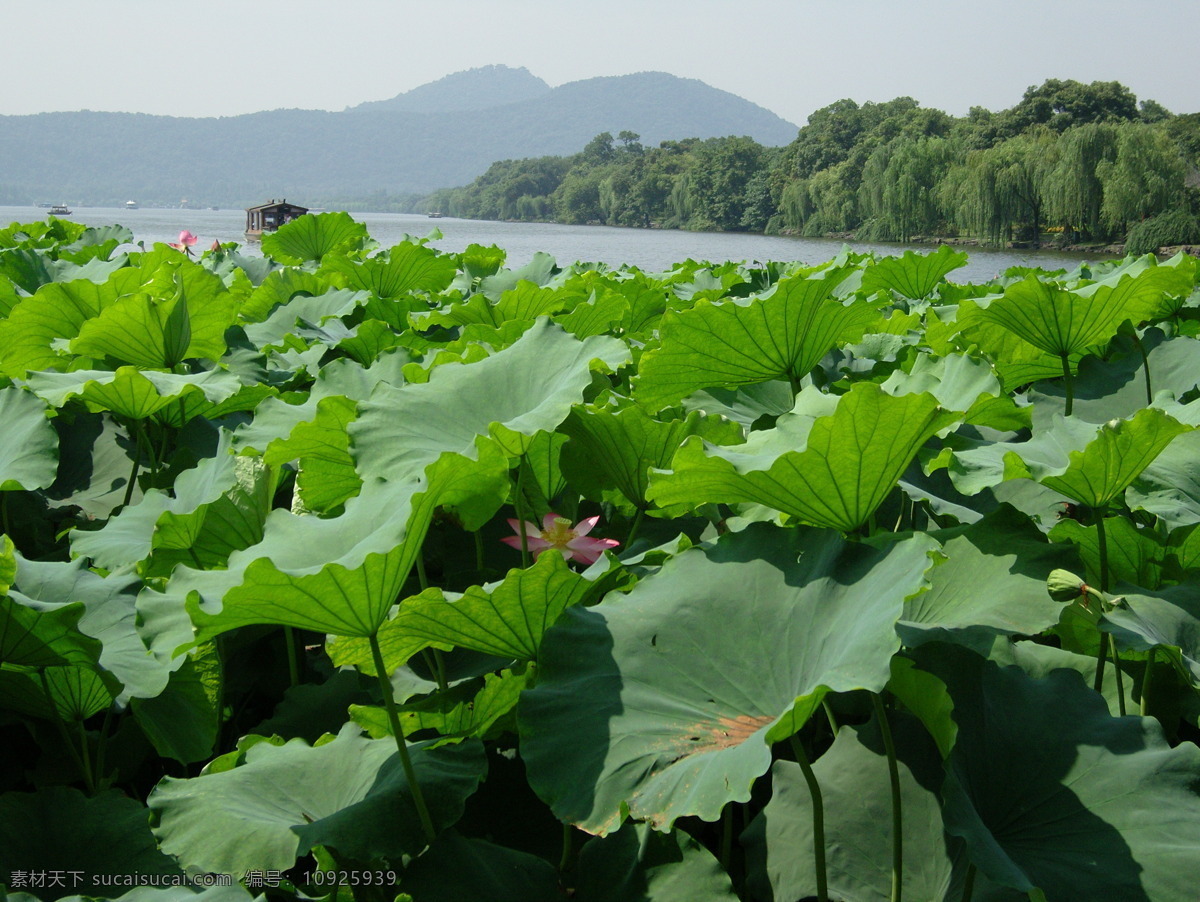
{"points": [[270, 216], [60, 210]]}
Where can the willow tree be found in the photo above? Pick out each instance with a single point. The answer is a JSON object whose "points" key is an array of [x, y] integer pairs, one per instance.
{"points": [[1003, 188], [901, 195], [1146, 176], [1074, 191]]}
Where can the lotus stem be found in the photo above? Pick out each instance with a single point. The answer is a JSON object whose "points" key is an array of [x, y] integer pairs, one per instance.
{"points": [[1112, 649], [633, 529], [1147, 682], [833, 724], [478, 550], [195, 558], [1137, 340], [726, 836], [969, 883], [389, 703], [137, 460], [1101, 654], [1102, 540], [519, 506], [289, 639], [889, 746], [568, 845], [1068, 384], [84, 770], [814, 789]]}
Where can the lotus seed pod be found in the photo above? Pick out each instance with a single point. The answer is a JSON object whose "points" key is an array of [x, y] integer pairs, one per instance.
{"points": [[1063, 585]]}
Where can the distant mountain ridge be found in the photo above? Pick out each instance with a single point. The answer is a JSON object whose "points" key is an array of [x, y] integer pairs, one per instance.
{"points": [[408, 144], [474, 89]]}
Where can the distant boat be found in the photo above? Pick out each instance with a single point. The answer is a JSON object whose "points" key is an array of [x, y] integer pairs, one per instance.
{"points": [[60, 210], [131, 205], [436, 215]]}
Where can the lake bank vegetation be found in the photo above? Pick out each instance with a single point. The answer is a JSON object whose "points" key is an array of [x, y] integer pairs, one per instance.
{"points": [[1071, 165]]}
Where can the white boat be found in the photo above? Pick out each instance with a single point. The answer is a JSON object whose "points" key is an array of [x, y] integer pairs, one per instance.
{"points": [[131, 205], [60, 210]]}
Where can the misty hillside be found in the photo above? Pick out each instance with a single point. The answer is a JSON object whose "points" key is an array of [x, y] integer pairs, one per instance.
{"points": [[319, 157], [474, 89]]}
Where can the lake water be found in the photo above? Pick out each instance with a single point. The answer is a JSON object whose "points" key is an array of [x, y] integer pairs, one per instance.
{"points": [[652, 250]]}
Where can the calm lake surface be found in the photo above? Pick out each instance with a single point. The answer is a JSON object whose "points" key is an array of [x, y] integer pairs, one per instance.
{"points": [[650, 250]]}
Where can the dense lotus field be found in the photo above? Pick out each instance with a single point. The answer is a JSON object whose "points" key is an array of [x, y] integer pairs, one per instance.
{"points": [[364, 573]]}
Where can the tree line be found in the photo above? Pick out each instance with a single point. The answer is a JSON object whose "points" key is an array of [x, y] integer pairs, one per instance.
{"points": [[1073, 163]]}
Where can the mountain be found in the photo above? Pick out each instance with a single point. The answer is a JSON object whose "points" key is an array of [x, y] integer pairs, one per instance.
{"points": [[474, 89], [325, 158]]}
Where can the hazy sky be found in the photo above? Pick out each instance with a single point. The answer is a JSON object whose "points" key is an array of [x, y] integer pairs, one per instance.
{"points": [[225, 57]]}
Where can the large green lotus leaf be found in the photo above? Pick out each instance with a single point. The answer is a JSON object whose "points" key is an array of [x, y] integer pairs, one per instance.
{"points": [[601, 313], [369, 339], [305, 308], [1099, 472], [1108, 389], [312, 237], [349, 793], [506, 619], [276, 418], [1170, 486], [524, 303], [183, 720], [783, 333], [856, 791], [171, 520], [638, 864], [511, 395], [747, 405], [1144, 288], [1134, 555], [31, 637], [615, 447], [962, 383], [1183, 547], [233, 521], [61, 829], [339, 575], [1168, 618], [749, 634], [402, 269], [95, 456], [469, 708], [29, 454], [72, 692], [130, 392], [1049, 791], [109, 618], [30, 270], [457, 869], [830, 463], [1017, 361], [1090, 464], [1009, 556], [29, 336], [913, 276], [181, 313], [1062, 322], [327, 477], [279, 287]]}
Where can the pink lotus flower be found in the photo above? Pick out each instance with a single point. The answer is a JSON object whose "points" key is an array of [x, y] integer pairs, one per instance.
{"points": [[557, 532], [186, 240], [216, 246]]}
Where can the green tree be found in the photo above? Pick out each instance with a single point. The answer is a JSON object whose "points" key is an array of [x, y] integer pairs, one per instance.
{"points": [[1144, 177], [1074, 191]]}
